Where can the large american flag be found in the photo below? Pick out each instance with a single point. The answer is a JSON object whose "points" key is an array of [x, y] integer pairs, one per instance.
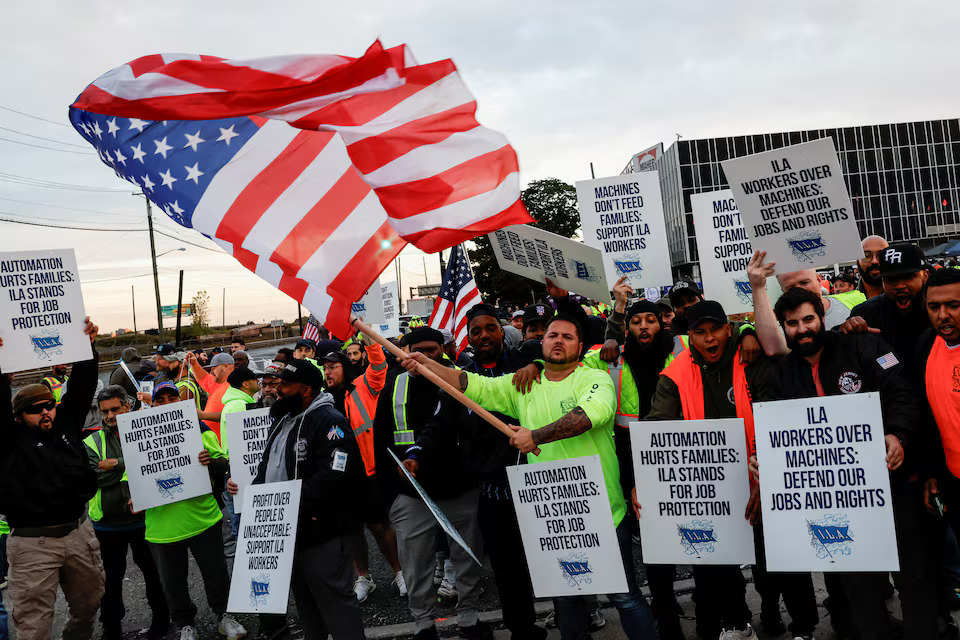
{"points": [[457, 294], [381, 151]]}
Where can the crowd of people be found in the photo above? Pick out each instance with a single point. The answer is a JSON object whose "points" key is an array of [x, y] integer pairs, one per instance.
{"points": [[570, 377]]}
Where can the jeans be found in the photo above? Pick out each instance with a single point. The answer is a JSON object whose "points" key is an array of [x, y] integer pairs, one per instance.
{"points": [[573, 613], [232, 516]]}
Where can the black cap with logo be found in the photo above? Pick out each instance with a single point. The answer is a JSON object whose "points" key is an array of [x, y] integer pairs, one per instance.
{"points": [[537, 313], [684, 287], [901, 259], [304, 372]]}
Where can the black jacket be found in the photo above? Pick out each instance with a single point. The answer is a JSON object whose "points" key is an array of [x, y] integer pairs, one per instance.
{"points": [[45, 478], [901, 331], [328, 500]]}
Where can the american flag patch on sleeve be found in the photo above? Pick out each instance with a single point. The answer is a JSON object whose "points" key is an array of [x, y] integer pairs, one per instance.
{"points": [[888, 361]]}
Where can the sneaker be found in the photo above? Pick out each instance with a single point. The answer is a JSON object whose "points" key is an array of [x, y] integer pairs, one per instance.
{"points": [[550, 622], [479, 631], [188, 632], [802, 637], [229, 627], [159, 626], [3, 582], [400, 583], [447, 589], [438, 575], [597, 621], [738, 634], [426, 634], [363, 587]]}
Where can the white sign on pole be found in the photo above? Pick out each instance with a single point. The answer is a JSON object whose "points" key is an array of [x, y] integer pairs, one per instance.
{"points": [[623, 217], [824, 484], [795, 205], [390, 295], [246, 440], [692, 486], [567, 527], [370, 306], [160, 448], [537, 254], [724, 249], [265, 548], [41, 306]]}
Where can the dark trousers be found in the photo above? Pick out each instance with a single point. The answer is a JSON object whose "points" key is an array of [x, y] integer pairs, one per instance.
{"points": [[663, 600], [919, 543], [501, 539], [322, 587], [113, 550], [172, 563], [573, 613], [720, 593], [796, 589]]}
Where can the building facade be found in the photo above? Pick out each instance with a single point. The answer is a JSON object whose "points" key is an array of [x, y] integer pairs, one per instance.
{"points": [[902, 179]]}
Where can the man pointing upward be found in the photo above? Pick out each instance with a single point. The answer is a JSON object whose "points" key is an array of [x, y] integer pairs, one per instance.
{"points": [[569, 414]]}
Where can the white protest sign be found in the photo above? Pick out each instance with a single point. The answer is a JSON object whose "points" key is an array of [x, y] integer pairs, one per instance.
{"points": [[390, 295], [567, 527], [693, 488], [795, 205], [41, 310], [441, 518], [623, 217], [824, 484], [537, 254], [265, 548], [246, 440], [370, 306], [160, 448], [724, 249], [146, 386]]}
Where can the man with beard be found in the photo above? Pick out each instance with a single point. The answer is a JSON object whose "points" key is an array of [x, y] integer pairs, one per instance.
{"points": [[56, 382], [871, 285], [214, 384], [269, 385], [710, 380], [898, 315], [409, 404], [116, 527], [647, 349], [561, 433], [457, 440], [824, 363], [310, 440], [355, 353], [355, 393], [683, 294], [836, 307]]}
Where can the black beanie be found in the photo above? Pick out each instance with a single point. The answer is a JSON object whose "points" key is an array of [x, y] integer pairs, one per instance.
{"points": [[423, 334], [644, 306]]}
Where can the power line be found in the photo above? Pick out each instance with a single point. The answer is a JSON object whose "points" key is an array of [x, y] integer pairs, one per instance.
{"points": [[29, 115], [30, 135], [37, 146], [53, 184], [142, 275], [59, 225], [54, 206], [199, 246]]}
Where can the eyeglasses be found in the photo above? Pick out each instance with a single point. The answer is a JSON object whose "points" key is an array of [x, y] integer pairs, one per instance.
{"points": [[34, 409]]}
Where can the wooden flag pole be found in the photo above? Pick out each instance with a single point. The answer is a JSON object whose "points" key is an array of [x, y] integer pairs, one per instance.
{"points": [[456, 394]]}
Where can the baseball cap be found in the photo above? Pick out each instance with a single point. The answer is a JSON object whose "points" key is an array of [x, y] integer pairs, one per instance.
{"points": [[302, 371], [447, 336], [130, 354], [176, 356], [165, 386], [273, 370], [537, 313], [165, 350], [238, 376], [220, 358], [517, 314], [664, 304], [901, 259], [686, 287], [310, 344], [705, 310], [336, 356]]}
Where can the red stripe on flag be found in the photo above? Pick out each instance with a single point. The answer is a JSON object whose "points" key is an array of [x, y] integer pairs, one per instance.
{"points": [[433, 240], [468, 179], [146, 64], [462, 303], [338, 319], [296, 288], [263, 190], [246, 258], [445, 318], [376, 151], [370, 261], [309, 234]]}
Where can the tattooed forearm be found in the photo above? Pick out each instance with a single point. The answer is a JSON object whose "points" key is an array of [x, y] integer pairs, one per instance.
{"points": [[568, 426], [463, 381]]}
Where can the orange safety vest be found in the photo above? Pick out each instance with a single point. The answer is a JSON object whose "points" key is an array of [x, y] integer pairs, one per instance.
{"points": [[361, 405], [685, 373]]}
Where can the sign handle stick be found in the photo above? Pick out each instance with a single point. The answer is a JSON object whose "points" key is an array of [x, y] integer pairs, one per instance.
{"points": [[136, 385], [432, 377]]}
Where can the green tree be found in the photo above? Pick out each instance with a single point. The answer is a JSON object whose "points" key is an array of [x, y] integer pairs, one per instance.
{"points": [[553, 204], [201, 310]]}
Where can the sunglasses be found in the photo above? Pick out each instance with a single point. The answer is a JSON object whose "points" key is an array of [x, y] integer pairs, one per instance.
{"points": [[34, 409]]}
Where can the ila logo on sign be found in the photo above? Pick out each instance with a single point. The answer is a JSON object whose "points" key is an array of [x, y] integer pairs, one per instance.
{"points": [[830, 536], [697, 537], [575, 569]]}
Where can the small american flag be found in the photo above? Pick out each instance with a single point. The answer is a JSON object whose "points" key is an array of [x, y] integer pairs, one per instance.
{"points": [[312, 330], [312, 170], [457, 294], [887, 361]]}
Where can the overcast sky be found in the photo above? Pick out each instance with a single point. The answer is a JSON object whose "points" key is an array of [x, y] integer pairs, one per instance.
{"points": [[569, 83]]}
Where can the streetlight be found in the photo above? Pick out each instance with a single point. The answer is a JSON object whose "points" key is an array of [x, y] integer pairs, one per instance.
{"points": [[172, 250]]}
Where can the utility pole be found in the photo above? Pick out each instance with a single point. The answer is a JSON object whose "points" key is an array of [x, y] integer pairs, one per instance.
{"points": [[443, 266], [223, 299], [153, 258], [133, 305], [592, 177], [300, 317], [179, 306]]}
